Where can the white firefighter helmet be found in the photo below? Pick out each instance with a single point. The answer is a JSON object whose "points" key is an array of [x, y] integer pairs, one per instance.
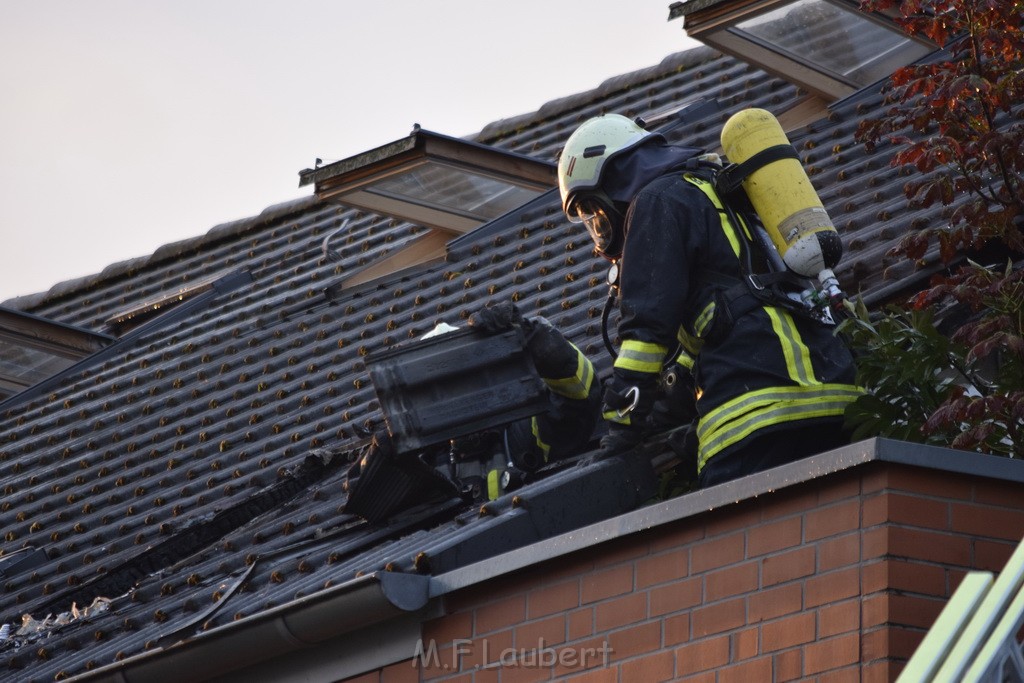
{"points": [[580, 167]]}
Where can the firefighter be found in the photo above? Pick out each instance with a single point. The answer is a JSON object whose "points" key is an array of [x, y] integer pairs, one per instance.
{"points": [[770, 385]]}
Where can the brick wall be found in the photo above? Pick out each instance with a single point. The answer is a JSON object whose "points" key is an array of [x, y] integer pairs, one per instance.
{"points": [[836, 579]]}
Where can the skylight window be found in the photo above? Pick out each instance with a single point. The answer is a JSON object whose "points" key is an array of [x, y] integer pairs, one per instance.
{"points": [[433, 180], [447, 184], [33, 349], [828, 47]]}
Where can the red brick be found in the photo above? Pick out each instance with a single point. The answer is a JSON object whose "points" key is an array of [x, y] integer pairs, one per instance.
{"points": [[551, 630], [628, 609], [654, 668], [553, 599], [403, 672], [620, 551], [769, 537], [874, 542], [841, 617], [913, 577], [832, 520], [1002, 493], [900, 508], [735, 580], [581, 624], [449, 628], [593, 654], [831, 587], [787, 666], [675, 596], [931, 546], [523, 673], [930, 482], [722, 616], [755, 670], [677, 629], [838, 487], [850, 674], [787, 632], [606, 583], [716, 552], [703, 655], [744, 644], [500, 614], [890, 642], [596, 676], [882, 671], [991, 555], [832, 653], [790, 501], [774, 602], [484, 650], [740, 516], [839, 551], [914, 610], [372, 677], [662, 568], [679, 535], [874, 610], [786, 566], [988, 522], [635, 640]]}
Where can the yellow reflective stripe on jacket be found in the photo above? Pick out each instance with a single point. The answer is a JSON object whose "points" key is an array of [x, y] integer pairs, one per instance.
{"points": [[727, 226], [493, 485], [737, 419], [690, 344], [796, 353], [613, 416], [577, 386], [686, 360], [705, 317], [641, 356], [535, 428]]}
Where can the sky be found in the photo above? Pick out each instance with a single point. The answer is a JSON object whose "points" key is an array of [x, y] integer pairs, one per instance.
{"points": [[129, 124]]}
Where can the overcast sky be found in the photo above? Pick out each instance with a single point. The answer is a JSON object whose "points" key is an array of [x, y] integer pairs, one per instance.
{"points": [[129, 124]]}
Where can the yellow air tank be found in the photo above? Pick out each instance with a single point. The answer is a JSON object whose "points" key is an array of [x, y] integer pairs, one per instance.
{"points": [[783, 196]]}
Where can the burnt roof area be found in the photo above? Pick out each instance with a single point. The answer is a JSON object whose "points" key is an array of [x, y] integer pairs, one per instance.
{"points": [[189, 475]]}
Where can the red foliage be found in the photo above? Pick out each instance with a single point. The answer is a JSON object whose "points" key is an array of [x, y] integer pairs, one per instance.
{"points": [[958, 121]]}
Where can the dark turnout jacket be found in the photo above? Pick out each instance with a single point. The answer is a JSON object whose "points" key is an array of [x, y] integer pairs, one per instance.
{"points": [[769, 369]]}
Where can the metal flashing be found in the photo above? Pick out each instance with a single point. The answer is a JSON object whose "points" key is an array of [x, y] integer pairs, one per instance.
{"points": [[731, 493]]}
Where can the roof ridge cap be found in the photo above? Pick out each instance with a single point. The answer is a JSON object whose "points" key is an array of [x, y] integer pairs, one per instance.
{"points": [[686, 58]]}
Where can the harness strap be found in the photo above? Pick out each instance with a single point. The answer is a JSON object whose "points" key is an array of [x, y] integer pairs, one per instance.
{"points": [[732, 176]]}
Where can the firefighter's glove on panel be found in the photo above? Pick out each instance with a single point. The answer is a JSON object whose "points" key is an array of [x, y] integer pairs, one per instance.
{"points": [[499, 317]]}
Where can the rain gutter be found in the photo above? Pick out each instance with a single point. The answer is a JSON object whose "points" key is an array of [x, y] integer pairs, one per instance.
{"points": [[298, 625]]}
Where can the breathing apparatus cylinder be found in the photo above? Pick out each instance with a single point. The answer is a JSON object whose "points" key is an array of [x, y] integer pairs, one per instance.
{"points": [[782, 195]]}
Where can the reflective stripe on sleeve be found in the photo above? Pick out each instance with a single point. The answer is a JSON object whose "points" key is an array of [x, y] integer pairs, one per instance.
{"points": [[577, 386], [641, 356]]}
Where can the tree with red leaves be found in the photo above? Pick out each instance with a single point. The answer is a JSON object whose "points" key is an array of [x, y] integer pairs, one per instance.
{"points": [[959, 121]]}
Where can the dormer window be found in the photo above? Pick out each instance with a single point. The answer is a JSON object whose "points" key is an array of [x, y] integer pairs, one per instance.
{"points": [[828, 47], [33, 349], [449, 185]]}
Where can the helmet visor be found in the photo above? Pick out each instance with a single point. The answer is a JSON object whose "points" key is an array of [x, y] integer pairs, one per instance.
{"points": [[598, 216]]}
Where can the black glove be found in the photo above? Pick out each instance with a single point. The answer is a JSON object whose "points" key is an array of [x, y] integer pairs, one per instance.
{"points": [[496, 317], [629, 398]]}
